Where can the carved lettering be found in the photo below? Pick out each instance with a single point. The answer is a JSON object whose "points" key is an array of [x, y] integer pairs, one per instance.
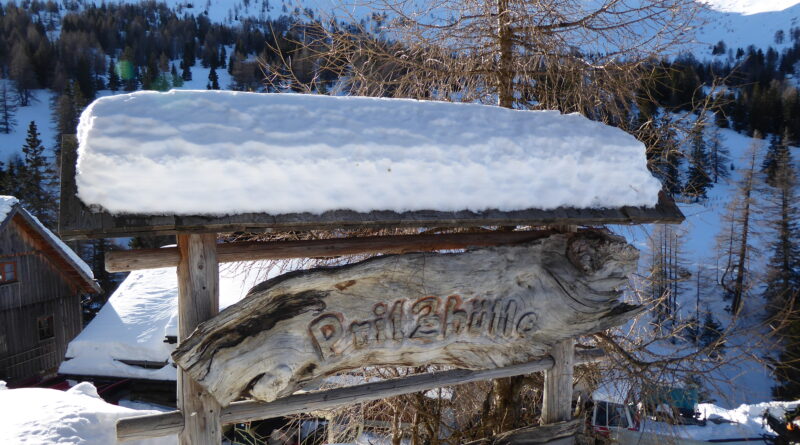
{"points": [[325, 331], [380, 322], [504, 318], [455, 318], [395, 318], [480, 316], [361, 333], [428, 322], [430, 319], [527, 324]]}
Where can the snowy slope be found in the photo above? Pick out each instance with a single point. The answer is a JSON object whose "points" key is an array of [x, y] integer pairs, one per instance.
{"points": [[740, 23], [747, 7]]}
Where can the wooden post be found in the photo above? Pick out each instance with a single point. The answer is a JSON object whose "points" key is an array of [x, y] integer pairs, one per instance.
{"points": [[557, 403], [557, 406], [198, 300]]}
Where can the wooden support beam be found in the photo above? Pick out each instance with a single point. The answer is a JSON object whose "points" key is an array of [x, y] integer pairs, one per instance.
{"points": [[127, 260], [198, 301], [557, 403], [158, 425]]}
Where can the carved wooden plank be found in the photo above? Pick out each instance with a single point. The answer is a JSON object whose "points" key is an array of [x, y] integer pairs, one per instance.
{"points": [[483, 308], [554, 433], [158, 425], [198, 300], [127, 260]]}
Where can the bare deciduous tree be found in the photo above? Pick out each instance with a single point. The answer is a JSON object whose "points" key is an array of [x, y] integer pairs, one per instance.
{"points": [[545, 54]]}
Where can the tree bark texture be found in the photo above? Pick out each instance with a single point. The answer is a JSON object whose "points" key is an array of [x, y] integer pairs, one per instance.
{"points": [[482, 308]]}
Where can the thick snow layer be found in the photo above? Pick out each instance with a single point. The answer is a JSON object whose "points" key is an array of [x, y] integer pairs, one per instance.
{"points": [[134, 322], [77, 416], [224, 152]]}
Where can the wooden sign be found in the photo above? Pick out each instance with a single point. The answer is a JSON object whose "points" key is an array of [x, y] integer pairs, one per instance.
{"points": [[477, 309]]}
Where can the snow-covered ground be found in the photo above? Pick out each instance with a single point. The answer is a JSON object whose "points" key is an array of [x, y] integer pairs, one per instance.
{"points": [[77, 416]]}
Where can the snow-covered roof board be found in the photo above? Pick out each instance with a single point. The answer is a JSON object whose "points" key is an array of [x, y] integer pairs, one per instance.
{"points": [[131, 328], [289, 159], [75, 266]]}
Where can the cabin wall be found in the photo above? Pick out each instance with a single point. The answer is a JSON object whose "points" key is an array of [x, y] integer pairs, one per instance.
{"points": [[41, 290]]}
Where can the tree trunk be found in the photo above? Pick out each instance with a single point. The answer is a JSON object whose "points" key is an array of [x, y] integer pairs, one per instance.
{"points": [[505, 71]]}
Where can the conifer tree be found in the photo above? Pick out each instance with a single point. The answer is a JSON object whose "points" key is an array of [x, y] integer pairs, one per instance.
{"points": [[213, 80], [177, 81], [711, 332], [7, 109], [113, 77], [663, 157], [782, 282], [11, 180], [38, 179], [698, 179], [777, 150], [188, 61], [719, 155]]}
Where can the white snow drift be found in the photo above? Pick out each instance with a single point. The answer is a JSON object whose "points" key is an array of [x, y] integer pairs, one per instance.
{"points": [[224, 152], [77, 416]]}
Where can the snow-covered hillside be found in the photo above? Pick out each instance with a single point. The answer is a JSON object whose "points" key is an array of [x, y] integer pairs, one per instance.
{"points": [[747, 7], [740, 23]]}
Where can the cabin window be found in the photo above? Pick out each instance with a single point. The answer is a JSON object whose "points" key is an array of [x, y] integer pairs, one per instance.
{"points": [[8, 272], [46, 327]]}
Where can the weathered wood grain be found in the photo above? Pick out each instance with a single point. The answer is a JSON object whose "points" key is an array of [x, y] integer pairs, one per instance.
{"points": [[128, 260], [483, 308], [158, 425], [198, 300], [557, 401]]}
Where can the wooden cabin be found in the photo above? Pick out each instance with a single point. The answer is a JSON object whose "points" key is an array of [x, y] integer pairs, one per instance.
{"points": [[42, 282]]}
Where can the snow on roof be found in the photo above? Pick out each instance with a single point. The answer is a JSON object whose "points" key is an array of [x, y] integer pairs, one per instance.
{"points": [[226, 152], [8, 202], [75, 416], [142, 312]]}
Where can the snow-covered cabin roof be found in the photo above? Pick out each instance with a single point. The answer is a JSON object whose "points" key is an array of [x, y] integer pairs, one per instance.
{"points": [[129, 336], [281, 160], [69, 262]]}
